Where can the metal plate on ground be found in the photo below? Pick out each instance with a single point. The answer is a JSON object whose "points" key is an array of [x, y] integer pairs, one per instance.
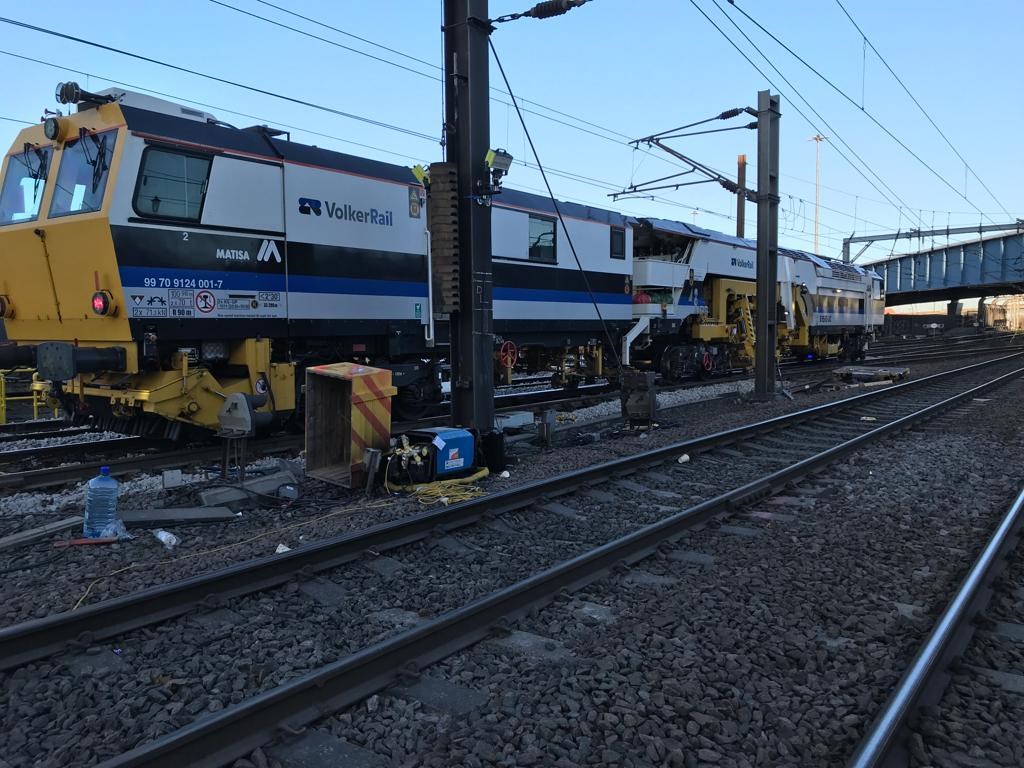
{"points": [[140, 518], [870, 373]]}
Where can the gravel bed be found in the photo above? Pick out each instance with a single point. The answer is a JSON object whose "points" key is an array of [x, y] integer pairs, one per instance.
{"points": [[178, 670], [978, 721], [83, 438], [666, 399], [292, 636], [91, 574], [323, 511], [778, 654]]}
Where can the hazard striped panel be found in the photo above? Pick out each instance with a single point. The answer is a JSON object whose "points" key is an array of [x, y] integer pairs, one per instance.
{"points": [[348, 410]]}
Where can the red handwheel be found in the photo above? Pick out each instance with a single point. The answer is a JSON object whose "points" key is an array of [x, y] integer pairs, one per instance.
{"points": [[707, 363], [508, 354]]}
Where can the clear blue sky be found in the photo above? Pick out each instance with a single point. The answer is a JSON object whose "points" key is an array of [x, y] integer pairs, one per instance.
{"points": [[632, 68]]}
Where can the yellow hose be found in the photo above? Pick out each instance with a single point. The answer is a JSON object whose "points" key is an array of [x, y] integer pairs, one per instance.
{"points": [[446, 491]]}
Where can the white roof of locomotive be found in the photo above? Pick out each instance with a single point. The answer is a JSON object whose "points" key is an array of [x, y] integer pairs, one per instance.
{"points": [[152, 104]]}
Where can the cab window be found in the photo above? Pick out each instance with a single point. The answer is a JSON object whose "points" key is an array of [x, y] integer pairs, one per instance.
{"points": [[542, 240], [24, 184], [618, 243], [82, 177], [172, 184]]}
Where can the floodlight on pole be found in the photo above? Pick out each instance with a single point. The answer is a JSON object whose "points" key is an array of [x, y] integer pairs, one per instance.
{"points": [[817, 139]]}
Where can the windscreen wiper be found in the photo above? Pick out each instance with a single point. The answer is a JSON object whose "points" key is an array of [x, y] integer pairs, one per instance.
{"points": [[37, 173], [99, 163]]}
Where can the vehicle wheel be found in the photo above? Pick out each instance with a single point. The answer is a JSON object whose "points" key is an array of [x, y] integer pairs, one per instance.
{"points": [[410, 404]]}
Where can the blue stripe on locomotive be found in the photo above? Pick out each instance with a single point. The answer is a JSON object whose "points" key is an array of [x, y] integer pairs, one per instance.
{"points": [[256, 281]]}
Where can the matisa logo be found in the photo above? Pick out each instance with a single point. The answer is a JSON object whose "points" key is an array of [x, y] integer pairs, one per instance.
{"points": [[346, 212], [268, 250]]}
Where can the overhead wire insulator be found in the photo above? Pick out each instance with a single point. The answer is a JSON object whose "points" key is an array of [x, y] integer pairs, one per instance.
{"points": [[550, 8]]}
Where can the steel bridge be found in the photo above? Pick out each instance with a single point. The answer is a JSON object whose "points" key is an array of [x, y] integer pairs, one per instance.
{"points": [[988, 266]]}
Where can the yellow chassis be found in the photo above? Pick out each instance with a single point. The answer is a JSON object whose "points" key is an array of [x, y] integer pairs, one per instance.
{"points": [[188, 394]]}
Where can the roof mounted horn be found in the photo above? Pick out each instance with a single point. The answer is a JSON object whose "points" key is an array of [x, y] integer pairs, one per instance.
{"points": [[71, 93]]}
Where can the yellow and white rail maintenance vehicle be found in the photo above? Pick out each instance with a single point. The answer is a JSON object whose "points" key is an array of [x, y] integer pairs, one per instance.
{"points": [[157, 261]]}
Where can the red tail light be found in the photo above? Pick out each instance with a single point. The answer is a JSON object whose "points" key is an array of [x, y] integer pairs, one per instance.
{"points": [[103, 303]]}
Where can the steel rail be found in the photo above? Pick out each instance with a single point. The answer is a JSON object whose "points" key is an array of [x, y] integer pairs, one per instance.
{"points": [[234, 732], [40, 434], [886, 743], [51, 476], [32, 425], [128, 442], [793, 372], [36, 639], [925, 355]]}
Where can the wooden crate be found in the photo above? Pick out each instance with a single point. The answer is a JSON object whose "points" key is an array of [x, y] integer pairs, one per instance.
{"points": [[348, 409]]}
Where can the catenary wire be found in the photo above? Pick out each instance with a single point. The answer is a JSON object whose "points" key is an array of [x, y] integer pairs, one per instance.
{"points": [[575, 118], [797, 108], [921, 107], [215, 78], [846, 96], [436, 66], [585, 180], [394, 64], [579, 178], [605, 129], [554, 202], [217, 107]]}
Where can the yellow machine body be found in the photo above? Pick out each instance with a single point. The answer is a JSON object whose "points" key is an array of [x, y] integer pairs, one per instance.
{"points": [[55, 265]]}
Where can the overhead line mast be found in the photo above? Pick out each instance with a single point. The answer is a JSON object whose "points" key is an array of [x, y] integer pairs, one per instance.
{"points": [[467, 27], [468, 133]]}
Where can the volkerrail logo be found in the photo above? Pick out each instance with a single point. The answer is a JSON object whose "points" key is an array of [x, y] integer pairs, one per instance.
{"points": [[308, 205], [346, 212]]}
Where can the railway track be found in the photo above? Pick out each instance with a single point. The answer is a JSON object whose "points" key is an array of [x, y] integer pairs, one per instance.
{"points": [[49, 477], [94, 448], [939, 342], [985, 611], [586, 523], [559, 399], [20, 430], [43, 434]]}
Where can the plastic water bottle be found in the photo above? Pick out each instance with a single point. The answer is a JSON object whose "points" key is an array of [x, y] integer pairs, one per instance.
{"points": [[100, 503]]}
